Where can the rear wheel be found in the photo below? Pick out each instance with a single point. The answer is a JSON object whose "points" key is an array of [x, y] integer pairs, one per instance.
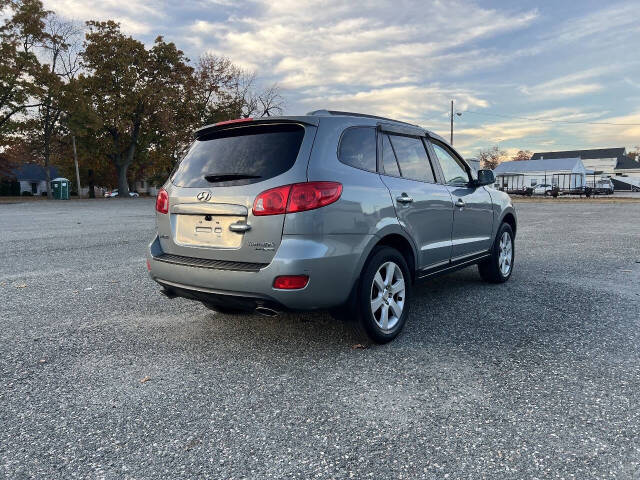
{"points": [[383, 295], [499, 266]]}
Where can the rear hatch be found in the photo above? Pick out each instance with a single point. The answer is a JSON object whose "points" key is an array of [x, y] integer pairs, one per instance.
{"points": [[212, 191]]}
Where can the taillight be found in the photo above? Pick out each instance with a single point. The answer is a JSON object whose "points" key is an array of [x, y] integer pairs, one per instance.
{"points": [[311, 195], [290, 282], [162, 201], [272, 202], [296, 198]]}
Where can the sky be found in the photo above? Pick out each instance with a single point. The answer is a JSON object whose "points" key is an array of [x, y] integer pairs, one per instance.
{"points": [[539, 76]]}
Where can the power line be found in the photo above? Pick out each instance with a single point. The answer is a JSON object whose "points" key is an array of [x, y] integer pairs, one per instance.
{"points": [[552, 121]]}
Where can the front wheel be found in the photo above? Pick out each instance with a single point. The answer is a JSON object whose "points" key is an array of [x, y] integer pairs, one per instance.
{"points": [[499, 266]]}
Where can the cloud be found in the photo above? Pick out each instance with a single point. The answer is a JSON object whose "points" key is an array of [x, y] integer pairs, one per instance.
{"points": [[575, 84], [604, 27], [615, 135], [313, 43], [418, 104], [135, 16], [528, 133]]}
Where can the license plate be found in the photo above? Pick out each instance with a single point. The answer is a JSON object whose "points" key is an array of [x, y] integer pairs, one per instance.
{"points": [[199, 231]]}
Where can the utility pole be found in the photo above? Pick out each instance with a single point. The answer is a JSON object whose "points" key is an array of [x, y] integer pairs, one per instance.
{"points": [[452, 123], [75, 160]]}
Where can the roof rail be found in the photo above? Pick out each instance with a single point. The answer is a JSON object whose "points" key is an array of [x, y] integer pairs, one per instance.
{"points": [[355, 114]]}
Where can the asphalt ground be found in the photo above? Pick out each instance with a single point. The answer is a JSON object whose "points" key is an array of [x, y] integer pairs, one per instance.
{"points": [[102, 377]]}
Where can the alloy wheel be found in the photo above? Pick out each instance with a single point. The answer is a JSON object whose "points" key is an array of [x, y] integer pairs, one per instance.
{"points": [[387, 295], [505, 258]]}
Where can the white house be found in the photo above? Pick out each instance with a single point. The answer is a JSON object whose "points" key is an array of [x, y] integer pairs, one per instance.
{"points": [[565, 173], [623, 170], [33, 178]]}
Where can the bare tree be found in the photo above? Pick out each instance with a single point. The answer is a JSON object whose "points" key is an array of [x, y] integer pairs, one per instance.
{"points": [[522, 155], [491, 157], [57, 57], [224, 91], [271, 101]]}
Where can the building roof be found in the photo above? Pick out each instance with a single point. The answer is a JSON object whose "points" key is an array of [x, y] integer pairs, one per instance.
{"points": [[619, 153], [523, 166], [625, 162], [33, 172], [583, 154]]}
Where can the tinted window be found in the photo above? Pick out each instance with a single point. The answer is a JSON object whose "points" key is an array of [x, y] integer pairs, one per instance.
{"points": [[412, 158], [454, 172], [260, 151], [358, 148], [389, 163]]}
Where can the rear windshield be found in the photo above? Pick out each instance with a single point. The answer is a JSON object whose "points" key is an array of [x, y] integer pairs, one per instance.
{"points": [[239, 156]]}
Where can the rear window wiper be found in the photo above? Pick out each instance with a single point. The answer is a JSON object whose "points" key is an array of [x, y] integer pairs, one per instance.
{"points": [[221, 177]]}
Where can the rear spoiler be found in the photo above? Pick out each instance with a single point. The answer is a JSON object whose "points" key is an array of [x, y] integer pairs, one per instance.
{"points": [[243, 122]]}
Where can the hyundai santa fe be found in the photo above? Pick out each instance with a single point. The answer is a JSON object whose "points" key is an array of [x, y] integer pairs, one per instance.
{"points": [[332, 210]]}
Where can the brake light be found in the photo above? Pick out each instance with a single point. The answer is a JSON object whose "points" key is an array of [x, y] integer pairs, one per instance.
{"points": [[298, 197], [236, 120], [312, 195], [290, 282], [272, 202], [162, 201]]}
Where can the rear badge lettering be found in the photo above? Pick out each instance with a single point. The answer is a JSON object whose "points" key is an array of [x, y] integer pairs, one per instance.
{"points": [[267, 246]]}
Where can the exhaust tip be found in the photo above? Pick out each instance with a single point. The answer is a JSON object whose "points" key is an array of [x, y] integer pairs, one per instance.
{"points": [[266, 311]]}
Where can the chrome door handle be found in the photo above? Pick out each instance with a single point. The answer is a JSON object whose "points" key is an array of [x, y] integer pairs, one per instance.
{"points": [[239, 227], [404, 198], [460, 203]]}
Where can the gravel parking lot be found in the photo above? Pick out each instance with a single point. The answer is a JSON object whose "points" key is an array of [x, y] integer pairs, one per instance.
{"points": [[102, 377]]}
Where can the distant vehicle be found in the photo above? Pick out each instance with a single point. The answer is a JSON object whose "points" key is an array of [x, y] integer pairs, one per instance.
{"points": [[114, 193], [604, 187], [542, 189], [331, 210]]}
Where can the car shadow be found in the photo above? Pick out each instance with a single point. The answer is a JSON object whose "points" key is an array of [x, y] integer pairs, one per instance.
{"points": [[454, 310]]}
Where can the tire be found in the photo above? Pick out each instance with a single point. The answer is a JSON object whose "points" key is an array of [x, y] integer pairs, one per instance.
{"points": [[380, 312], [494, 269]]}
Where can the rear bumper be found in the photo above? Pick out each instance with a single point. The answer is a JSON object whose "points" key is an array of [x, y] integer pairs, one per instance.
{"points": [[331, 262]]}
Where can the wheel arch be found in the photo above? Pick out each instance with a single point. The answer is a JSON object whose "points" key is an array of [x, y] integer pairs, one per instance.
{"points": [[393, 236], [510, 219]]}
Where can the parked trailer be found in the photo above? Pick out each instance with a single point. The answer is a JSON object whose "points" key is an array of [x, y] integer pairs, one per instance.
{"points": [[569, 184], [512, 183]]}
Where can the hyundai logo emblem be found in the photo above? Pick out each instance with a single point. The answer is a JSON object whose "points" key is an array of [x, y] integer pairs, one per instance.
{"points": [[204, 196]]}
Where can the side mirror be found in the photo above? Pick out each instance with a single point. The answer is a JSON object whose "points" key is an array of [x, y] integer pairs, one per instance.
{"points": [[485, 177]]}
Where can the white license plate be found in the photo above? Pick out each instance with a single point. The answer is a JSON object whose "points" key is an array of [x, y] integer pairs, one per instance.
{"points": [[197, 230]]}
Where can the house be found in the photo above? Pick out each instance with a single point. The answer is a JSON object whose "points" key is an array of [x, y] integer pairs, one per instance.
{"points": [[33, 178], [565, 173], [604, 162]]}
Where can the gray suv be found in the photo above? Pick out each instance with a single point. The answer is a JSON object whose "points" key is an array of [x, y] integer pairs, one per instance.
{"points": [[332, 210]]}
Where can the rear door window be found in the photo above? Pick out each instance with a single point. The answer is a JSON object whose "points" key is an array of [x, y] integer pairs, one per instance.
{"points": [[412, 158], [389, 162], [240, 156], [358, 148]]}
